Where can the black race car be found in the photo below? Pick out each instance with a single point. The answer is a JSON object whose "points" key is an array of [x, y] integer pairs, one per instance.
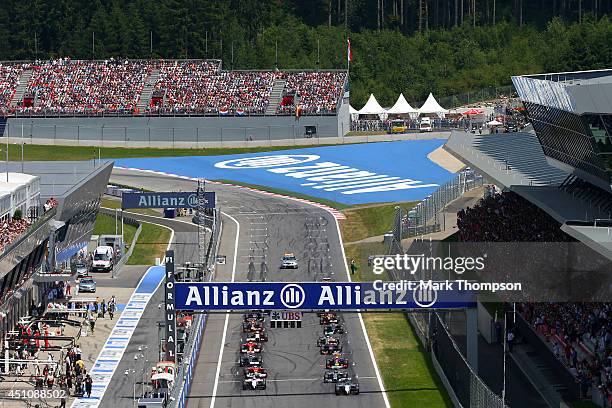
{"points": [[252, 325], [258, 316], [333, 329], [329, 349], [328, 318], [255, 371], [347, 386], [250, 360], [254, 383], [257, 336], [323, 340], [336, 363], [332, 376]]}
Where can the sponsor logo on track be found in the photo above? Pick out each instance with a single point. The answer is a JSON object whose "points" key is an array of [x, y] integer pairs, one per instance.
{"points": [[324, 175]]}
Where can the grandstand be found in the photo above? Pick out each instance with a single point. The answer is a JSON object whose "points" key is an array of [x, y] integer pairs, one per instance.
{"points": [[195, 87], [554, 186]]}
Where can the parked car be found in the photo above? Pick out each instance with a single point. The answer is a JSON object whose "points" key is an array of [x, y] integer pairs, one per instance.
{"points": [[87, 284]]}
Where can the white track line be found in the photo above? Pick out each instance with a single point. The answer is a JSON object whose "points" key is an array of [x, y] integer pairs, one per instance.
{"points": [[216, 386], [363, 328]]}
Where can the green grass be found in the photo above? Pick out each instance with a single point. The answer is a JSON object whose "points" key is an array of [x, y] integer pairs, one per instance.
{"points": [[112, 203], [369, 221], [151, 244], [34, 152], [330, 203], [406, 369], [105, 225]]}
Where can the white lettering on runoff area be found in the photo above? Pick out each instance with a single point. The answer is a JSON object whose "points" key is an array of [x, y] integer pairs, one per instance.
{"points": [[326, 175]]}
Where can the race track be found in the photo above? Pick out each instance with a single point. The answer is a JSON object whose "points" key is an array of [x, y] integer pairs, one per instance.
{"points": [[266, 227]]}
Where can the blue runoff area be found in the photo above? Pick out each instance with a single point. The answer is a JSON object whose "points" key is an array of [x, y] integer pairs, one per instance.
{"points": [[348, 174]]}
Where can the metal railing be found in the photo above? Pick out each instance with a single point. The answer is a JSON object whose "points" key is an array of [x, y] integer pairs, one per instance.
{"points": [[428, 215]]}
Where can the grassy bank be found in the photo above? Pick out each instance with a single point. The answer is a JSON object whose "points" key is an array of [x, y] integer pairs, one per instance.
{"points": [[50, 152], [405, 367], [115, 203], [105, 225], [369, 220], [151, 244]]}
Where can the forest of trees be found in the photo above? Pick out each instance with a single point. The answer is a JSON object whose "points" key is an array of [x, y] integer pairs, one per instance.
{"points": [[409, 46]]}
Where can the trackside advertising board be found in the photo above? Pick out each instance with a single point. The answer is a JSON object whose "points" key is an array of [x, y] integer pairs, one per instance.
{"points": [[166, 200], [316, 296]]}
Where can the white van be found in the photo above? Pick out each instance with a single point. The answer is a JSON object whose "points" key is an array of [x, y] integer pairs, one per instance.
{"points": [[102, 259], [425, 125]]}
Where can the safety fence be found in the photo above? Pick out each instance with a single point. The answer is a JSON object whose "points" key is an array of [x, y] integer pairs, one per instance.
{"points": [[464, 386], [184, 377], [428, 215]]}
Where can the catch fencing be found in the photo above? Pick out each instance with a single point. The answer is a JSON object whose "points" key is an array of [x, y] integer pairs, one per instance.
{"points": [[186, 370], [428, 215]]}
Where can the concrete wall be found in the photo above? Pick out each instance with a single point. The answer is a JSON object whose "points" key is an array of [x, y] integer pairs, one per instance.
{"points": [[141, 130]]}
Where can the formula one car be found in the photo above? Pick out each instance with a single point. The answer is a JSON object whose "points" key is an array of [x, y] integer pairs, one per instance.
{"points": [[328, 318], [347, 386], [252, 325], [329, 349], [289, 261], [323, 340], [258, 316], [333, 329], [332, 376], [251, 347], [251, 360], [254, 383], [255, 371], [257, 336], [336, 362]]}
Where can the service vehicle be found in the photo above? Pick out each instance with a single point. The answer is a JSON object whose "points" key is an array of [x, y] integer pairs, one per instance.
{"points": [[425, 125], [87, 284], [289, 261], [102, 259], [81, 269], [397, 126]]}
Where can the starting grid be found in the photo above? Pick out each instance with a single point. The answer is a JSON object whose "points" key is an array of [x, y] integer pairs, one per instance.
{"points": [[111, 354]]}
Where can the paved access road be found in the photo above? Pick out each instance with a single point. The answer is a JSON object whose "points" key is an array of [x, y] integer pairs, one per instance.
{"points": [[257, 230]]}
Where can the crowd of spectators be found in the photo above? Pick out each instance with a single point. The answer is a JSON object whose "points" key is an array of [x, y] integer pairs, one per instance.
{"points": [[9, 80], [199, 87], [50, 203], [319, 92], [64, 86], [507, 217], [580, 335], [11, 229], [75, 87]]}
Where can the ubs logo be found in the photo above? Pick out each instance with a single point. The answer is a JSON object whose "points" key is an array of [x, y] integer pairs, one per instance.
{"points": [[261, 162]]}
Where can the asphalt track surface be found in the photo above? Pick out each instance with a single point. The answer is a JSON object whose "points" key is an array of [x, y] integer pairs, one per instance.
{"points": [[120, 392], [267, 227]]}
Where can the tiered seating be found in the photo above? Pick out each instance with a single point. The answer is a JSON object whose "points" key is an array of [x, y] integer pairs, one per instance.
{"points": [[71, 87], [11, 230], [319, 91], [9, 79], [64, 86]]}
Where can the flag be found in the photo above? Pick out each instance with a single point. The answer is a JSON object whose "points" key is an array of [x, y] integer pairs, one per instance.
{"points": [[349, 53]]}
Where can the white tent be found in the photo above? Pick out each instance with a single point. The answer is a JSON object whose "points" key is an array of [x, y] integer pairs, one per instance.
{"points": [[372, 107], [402, 107], [432, 106], [353, 112]]}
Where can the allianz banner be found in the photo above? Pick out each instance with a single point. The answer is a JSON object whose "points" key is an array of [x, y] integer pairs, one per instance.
{"points": [[166, 200], [316, 296]]}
